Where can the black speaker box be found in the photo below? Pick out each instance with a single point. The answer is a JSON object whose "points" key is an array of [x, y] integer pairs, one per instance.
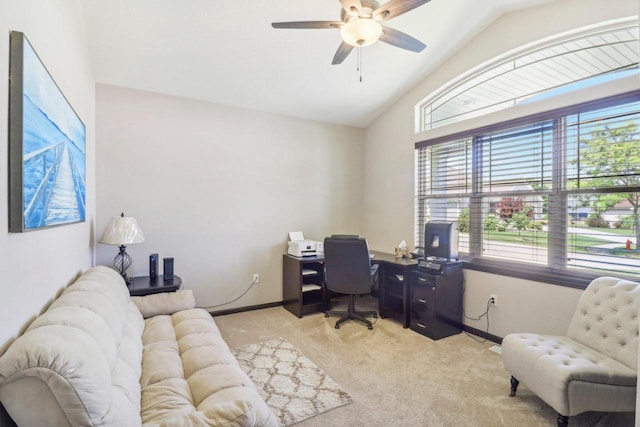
{"points": [[168, 268], [153, 266]]}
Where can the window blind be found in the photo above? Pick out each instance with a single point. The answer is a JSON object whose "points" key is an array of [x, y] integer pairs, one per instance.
{"points": [[603, 189], [515, 172], [560, 190], [443, 184]]}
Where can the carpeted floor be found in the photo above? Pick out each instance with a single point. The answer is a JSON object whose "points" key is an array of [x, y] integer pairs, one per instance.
{"points": [[397, 377]]}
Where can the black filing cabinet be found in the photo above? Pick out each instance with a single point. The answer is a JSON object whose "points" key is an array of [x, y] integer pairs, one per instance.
{"points": [[435, 308]]}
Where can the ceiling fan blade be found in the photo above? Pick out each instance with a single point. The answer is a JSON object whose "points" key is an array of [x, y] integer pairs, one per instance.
{"points": [[348, 4], [401, 40], [308, 24], [343, 51], [395, 8]]}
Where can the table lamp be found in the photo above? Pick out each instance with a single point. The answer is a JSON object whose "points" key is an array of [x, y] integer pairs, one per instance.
{"points": [[122, 231]]}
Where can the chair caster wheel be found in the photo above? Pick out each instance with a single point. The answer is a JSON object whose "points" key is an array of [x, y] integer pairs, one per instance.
{"points": [[375, 316], [370, 327], [337, 326], [326, 315]]}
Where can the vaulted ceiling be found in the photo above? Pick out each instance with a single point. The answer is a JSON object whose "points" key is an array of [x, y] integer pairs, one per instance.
{"points": [[226, 52]]}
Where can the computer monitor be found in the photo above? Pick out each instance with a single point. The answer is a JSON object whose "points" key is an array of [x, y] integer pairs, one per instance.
{"points": [[441, 240]]}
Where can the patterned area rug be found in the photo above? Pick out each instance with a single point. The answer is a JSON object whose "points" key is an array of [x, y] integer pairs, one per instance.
{"points": [[293, 386]]}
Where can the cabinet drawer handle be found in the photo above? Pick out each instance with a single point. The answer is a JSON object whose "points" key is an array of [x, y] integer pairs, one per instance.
{"points": [[421, 325], [424, 301], [422, 279]]}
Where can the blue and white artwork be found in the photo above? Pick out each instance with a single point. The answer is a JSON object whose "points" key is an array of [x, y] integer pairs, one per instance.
{"points": [[53, 150]]}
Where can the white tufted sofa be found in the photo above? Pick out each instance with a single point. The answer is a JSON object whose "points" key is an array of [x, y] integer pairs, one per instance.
{"points": [[97, 358], [594, 367]]}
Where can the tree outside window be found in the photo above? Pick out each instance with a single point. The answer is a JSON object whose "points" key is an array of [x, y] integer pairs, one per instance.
{"points": [[611, 156]]}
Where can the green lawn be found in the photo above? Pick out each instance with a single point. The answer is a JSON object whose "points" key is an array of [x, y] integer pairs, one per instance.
{"points": [[621, 251], [540, 238], [618, 231]]}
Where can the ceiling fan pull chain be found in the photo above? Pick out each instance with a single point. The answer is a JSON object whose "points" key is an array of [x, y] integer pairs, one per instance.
{"points": [[360, 62]]}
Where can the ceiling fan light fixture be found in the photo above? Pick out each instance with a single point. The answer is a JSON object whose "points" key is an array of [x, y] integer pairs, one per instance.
{"points": [[361, 32]]}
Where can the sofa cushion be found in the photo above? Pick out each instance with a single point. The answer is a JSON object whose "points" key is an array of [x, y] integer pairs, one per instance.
{"points": [[190, 377], [164, 303]]}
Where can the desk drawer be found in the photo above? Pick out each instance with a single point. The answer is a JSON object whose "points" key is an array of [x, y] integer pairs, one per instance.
{"points": [[423, 297], [420, 278], [421, 326], [422, 313]]}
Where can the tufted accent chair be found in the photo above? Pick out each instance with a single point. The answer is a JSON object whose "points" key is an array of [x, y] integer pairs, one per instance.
{"points": [[594, 367]]}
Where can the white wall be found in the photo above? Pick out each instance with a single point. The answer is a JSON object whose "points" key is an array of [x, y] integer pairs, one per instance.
{"points": [[34, 266], [389, 165], [219, 188]]}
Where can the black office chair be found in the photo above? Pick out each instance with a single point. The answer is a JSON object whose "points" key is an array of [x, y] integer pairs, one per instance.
{"points": [[348, 271]]}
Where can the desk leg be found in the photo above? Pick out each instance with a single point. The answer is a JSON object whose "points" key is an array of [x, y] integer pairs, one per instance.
{"points": [[381, 292], [326, 298], [406, 301]]}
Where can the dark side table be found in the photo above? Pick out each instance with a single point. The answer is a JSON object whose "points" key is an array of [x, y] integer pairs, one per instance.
{"points": [[144, 285]]}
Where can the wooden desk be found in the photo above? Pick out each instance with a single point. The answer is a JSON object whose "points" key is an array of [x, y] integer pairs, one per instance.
{"points": [[394, 278], [304, 290]]}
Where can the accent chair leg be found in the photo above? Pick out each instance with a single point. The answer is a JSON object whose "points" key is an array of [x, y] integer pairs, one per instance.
{"points": [[563, 420], [514, 386]]}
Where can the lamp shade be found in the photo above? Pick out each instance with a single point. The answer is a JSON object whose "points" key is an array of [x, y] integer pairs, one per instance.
{"points": [[361, 32], [122, 230]]}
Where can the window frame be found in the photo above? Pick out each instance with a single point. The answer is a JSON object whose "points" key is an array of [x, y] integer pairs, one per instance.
{"points": [[506, 64], [555, 272]]}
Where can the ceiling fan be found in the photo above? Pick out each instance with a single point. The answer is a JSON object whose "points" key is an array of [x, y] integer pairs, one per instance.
{"points": [[360, 25]]}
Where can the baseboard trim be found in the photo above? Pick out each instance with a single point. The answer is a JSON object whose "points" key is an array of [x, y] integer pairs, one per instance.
{"points": [[243, 309], [494, 338]]}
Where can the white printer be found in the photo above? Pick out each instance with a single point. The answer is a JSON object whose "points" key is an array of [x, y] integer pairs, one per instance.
{"points": [[300, 247]]}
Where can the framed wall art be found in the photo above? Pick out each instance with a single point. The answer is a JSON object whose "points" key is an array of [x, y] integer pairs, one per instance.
{"points": [[47, 146]]}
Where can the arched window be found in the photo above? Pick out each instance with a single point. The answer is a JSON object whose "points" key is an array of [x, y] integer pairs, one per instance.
{"points": [[609, 51]]}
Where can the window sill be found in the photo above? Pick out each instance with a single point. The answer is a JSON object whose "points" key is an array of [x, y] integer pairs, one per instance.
{"points": [[563, 277]]}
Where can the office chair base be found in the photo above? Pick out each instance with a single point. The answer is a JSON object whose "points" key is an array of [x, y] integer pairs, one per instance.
{"points": [[352, 314]]}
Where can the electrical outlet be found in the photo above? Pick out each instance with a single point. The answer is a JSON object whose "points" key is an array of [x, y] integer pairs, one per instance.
{"points": [[493, 300], [256, 278]]}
